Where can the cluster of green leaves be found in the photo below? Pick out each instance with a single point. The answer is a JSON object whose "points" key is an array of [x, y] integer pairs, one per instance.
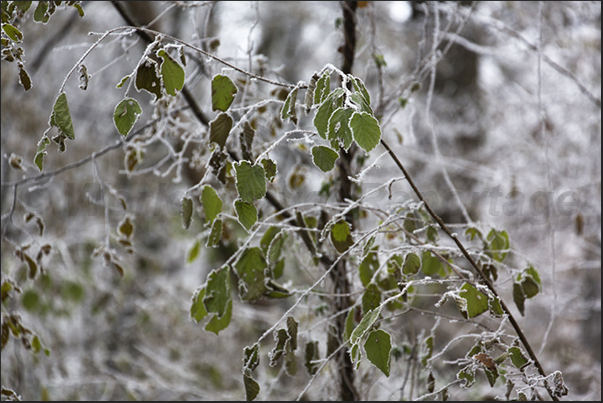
{"points": [[12, 12]]}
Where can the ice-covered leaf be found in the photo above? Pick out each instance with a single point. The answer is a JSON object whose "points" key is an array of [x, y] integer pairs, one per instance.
{"points": [[412, 264], [250, 180], [517, 358], [39, 158], [339, 127], [125, 115], [269, 235], [252, 388], [323, 87], [326, 109], [360, 88], [41, 13], [246, 140], [251, 357], [324, 158], [365, 324], [378, 349], [172, 73], [274, 251], [269, 168], [12, 32], [212, 204], [247, 214], [366, 130], [311, 355], [219, 129], [222, 93], [216, 323]]}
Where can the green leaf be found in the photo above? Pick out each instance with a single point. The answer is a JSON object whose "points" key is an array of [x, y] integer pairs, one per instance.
{"points": [[61, 117], [360, 88], [274, 251], [187, 212], [288, 111], [519, 298], [214, 234], [125, 115], [246, 213], [217, 324], [217, 291], [468, 377], [471, 233], [368, 267], [219, 129], [250, 181], [24, 78], [311, 354], [193, 251], [252, 388], [371, 298], [30, 300], [323, 87], [292, 326], [172, 73], [148, 78], [378, 347], [39, 158], [246, 140], [431, 265], [412, 264], [495, 308], [341, 236], [212, 204], [12, 32], [222, 93], [251, 357], [349, 325], [125, 228], [269, 168], [197, 310], [366, 130], [517, 358], [475, 302], [324, 158], [123, 81], [281, 337], [41, 14], [427, 351], [365, 324], [269, 235], [324, 112], [339, 127], [498, 244], [309, 98], [250, 267]]}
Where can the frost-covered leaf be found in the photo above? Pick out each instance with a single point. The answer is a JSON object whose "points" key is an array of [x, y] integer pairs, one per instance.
{"points": [[378, 349], [172, 73], [125, 115], [214, 234], [252, 388], [475, 302], [366, 130], [12, 32], [517, 358], [39, 158], [197, 311], [292, 326], [222, 93], [280, 337], [324, 158], [219, 129], [498, 244], [247, 214], [269, 168], [148, 78], [269, 235], [251, 357], [126, 228], [326, 109], [360, 88], [412, 264], [288, 111], [61, 117], [251, 267], [341, 237], [216, 323], [212, 204], [323, 87], [309, 98], [24, 78], [123, 81], [41, 13], [246, 140], [186, 211], [251, 181], [339, 127], [217, 291], [274, 251], [365, 324], [371, 298]]}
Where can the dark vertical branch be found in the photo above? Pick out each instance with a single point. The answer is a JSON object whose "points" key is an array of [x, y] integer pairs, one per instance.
{"points": [[341, 284]]}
